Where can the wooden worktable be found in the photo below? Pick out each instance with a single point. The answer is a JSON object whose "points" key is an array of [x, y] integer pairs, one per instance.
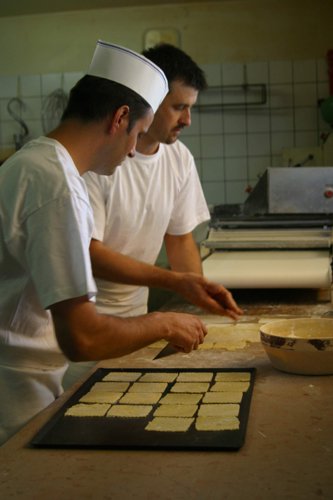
{"points": [[288, 450]]}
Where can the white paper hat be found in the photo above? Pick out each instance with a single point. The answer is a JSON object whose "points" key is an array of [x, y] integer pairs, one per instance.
{"points": [[131, 69]]}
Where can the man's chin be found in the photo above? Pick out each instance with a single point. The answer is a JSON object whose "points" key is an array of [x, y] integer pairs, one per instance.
{"points": [[172, 138]]}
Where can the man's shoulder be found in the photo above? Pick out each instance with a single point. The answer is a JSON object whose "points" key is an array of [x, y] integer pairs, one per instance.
{"points": [[178, 150]]}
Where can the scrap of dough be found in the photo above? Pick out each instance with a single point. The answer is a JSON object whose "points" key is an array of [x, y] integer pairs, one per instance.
{"points": [[195, 377], [87, 410], [190, 387], [181, 399], [129, 411], [110, 386], [232, 377], [97, 396], [169, 424], [158, 377], [222, 397], [216, 424], [142, 398], [206, 345], [122, 376], [230, 386], [231, 337], [148, 387], [218, 410], [175, 410]]}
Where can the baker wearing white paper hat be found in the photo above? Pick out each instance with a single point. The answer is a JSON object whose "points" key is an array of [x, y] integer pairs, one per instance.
{"points": [[47, 290]]}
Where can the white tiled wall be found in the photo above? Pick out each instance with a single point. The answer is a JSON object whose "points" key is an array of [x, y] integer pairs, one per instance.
{"points": [[232, 146], [33, 90]]}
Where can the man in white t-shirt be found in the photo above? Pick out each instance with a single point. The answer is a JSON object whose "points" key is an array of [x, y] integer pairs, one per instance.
{"points": [[47, 310], [153, 197]]}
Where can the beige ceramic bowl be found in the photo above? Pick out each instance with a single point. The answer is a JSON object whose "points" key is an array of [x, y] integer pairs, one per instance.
{"points": [[300, 345]]}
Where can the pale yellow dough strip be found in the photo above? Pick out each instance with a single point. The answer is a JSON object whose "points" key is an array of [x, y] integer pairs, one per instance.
{"points": [[169, 424], [129, 411], [87, 410], [218, 410], [216, 423]]}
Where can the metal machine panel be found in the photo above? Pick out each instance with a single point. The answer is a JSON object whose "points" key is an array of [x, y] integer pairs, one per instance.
{"points": [[301, 190]]}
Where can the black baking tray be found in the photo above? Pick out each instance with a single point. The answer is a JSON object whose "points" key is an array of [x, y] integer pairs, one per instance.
{"points": [[129, 433]]}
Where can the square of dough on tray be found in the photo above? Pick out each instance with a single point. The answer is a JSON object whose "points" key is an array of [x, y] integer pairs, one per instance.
{"points": [[129, 411], [216, 424], [195, 377], [143, 398], [122, 376], [148, 387], [218, 410], [110, 386], [190, 387], [99, 396], [169, 424], [175, 411], [158, 377], [230, 386], [87, 410], [233, 377], [223, 397], [181, 399]]}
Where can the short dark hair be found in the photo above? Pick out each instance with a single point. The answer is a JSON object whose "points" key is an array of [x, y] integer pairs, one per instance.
{"points": [[94, 98], [177, 65]]}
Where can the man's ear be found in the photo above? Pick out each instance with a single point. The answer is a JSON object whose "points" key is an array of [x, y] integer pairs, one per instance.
{"points": [[119, 120]]}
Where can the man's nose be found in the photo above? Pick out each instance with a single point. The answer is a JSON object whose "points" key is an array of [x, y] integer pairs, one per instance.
{"points": [[186, 117], [131, 154]]}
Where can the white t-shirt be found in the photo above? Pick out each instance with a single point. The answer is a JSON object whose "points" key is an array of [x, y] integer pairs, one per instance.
{"points": [[46, 225], [146, 197]]}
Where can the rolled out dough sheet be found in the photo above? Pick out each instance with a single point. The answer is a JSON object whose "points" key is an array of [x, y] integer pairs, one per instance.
{"points": [[270, 269]]}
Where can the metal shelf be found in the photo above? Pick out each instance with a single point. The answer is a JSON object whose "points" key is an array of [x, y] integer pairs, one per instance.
{"points": [[249, 95]]}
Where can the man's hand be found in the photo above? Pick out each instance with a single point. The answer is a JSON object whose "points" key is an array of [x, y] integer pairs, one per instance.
{"points": [[184, 331], [207, 295]]}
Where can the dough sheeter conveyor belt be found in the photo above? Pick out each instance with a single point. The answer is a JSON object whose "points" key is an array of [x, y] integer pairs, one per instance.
{"points": [[269, 257]]}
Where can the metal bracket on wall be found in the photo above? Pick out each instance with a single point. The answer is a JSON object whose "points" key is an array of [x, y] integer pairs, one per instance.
{"points": [[234, 96]]}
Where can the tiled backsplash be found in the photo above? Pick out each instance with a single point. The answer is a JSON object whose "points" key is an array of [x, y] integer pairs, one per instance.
{"points": [[232, 145]]}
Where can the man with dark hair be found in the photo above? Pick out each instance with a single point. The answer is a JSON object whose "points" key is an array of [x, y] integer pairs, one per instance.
{"points": [[155, 196], [47, 289]]}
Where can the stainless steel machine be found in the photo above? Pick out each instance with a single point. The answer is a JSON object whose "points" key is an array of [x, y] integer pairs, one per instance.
{"points": [[281, 237]]}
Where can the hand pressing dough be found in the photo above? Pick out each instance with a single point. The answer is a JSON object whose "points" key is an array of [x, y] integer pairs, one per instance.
{"points": [[142, 398], [195, 377], [175, 411], [222, 397], [87, 410], [190, 387], [169, 424], [216, 424], [129, 411], [122, 376], [181, 399], [218, 410]]}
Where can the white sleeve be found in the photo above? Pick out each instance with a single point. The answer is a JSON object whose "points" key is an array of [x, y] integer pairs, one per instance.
{"points": [[57, 250], [190, 208], [97, 200]]}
